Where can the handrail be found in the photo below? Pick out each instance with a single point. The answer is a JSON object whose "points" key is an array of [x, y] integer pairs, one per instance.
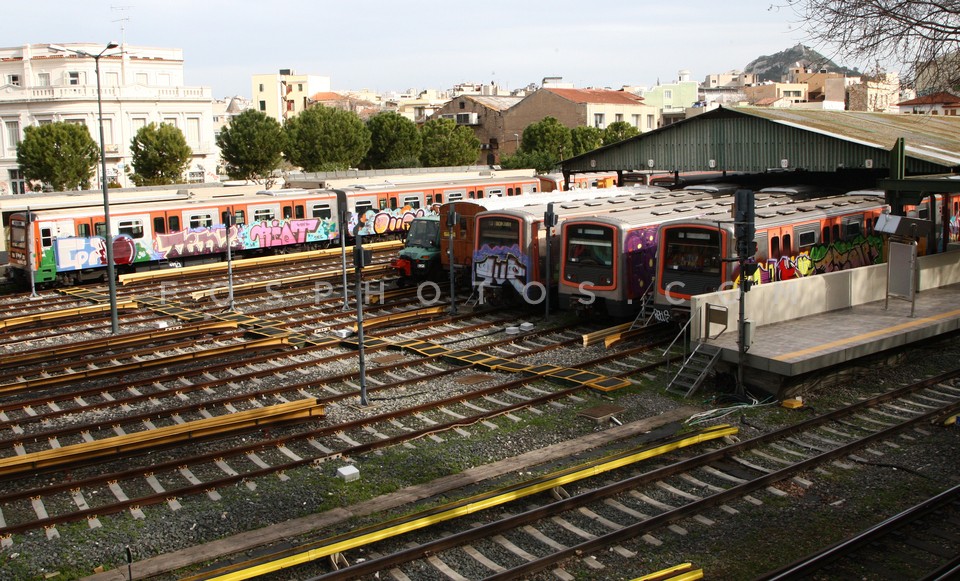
{"points": [[679, 335]]}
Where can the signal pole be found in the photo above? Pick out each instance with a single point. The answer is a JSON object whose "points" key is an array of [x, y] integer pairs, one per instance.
{"points": [[744, 230]]}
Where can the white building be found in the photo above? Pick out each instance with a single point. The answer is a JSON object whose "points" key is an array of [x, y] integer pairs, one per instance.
{"points": [[140, 85]]}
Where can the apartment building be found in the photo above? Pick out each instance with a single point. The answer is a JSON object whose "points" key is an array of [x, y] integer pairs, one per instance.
{"points": [[40, 83], [286, 94]]}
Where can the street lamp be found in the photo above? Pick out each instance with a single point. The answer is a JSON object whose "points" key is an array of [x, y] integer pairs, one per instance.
{"points": [[111, 281], [516, 137]]}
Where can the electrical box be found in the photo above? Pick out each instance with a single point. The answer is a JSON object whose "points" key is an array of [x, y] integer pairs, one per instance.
{"points": [[747, 333]]}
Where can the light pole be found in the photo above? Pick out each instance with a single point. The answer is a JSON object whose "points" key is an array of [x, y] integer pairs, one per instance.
{"points": [[111, 280], [516, 137]]}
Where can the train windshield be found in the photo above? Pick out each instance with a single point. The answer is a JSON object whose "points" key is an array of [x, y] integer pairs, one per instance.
{"points": [[424, 233], [18, 233], [692, 251], [496, 232], [590, 245]]}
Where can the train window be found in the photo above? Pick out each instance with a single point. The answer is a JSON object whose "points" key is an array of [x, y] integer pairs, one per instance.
{"points": [[826, 235], [807, 239], [362, 207], [590, 245], [453, 197], [393, 203], [429, 199], [836, 232], [200, 220], [287, 212], [412, 201], [496, 232], [298, 212], [174, 223], [509, 191], [923, 212], [132, 228], [263, 214], [775, 247], [83, 230], [498, 192], [46, 237], [159, 225], [692, 250], [101, 229], [472, 195], [240, 218], [383, 203], [321, 211], [787, 245], [18, 232], [852, 228]]}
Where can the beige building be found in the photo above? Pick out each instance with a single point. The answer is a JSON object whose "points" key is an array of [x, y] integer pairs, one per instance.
{"points": [[878, 95], [782, 94], [286, 94], [43, 83]]}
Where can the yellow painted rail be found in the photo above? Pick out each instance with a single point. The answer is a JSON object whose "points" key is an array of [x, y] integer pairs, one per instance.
{"points": [[243, 263], [401, 317], [221, 291], [159, 362], [63, 314], [475, 504], [123, 340], [681, 572], [149, 438]]}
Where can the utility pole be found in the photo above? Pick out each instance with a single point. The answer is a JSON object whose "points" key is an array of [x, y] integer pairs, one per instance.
{"points": [[360, 259], [744, 229], [549, 220], [452, 219]]}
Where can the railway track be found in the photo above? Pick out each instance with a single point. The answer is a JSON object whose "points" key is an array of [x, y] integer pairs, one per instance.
{"points": [[168, 398], [606, 521], [919, 543]]}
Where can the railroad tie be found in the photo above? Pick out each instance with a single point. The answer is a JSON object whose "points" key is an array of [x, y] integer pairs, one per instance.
{"points": [[483, 559], [41, 512]]}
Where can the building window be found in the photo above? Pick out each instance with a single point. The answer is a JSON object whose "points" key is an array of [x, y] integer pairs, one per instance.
{"points": [[112, 80], [170, 121], [43, 79], [636, 121], [13, 133], [598, 120], [138, 123], [193, 131], [13, 80], [73, 78], [261, 87], [263, 105], [141, 78], [618, 118], [300, 87], [463, 105], [667, 95], [18, 185], [650, 122]]}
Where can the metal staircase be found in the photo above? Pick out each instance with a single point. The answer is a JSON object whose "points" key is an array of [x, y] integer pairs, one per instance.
{"points": [[646, 308], [694, 370]]}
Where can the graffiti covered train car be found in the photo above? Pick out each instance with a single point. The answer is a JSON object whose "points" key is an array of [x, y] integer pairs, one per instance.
{"points": [[426, 253], [798, 239], [609, 262], [510, 248], [68, 246]]}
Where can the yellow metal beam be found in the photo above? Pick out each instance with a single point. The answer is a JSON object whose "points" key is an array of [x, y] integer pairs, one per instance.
{"points": [[148, 438], [222, 290], [63, 314], [400, 317], [160, 362], [598, 336], [473, 505], [244, 263]]}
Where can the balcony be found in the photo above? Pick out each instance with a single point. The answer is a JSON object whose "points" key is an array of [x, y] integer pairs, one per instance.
{"points": [[89, 93]]}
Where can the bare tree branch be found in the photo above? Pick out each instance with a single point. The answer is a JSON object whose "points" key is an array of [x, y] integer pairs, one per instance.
{"points": [[920, 36]]}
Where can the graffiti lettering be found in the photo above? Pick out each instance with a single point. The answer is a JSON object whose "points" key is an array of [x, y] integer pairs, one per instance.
{"points": [[268, 234], [191, 242]]}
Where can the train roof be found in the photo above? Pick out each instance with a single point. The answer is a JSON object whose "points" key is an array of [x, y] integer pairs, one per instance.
{"points": [[792, 211]]}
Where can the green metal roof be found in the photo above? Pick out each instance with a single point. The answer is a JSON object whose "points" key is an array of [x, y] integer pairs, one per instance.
{"points": [[753, 139]]}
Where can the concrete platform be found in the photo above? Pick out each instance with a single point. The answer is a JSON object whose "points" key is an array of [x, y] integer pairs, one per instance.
{"points": [[784, 354]]}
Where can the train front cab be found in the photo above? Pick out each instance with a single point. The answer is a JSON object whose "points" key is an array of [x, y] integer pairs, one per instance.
{"points": [[502, 260], [690, 263], [588, 269]]}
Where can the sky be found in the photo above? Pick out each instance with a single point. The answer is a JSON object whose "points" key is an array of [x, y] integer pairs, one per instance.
{"points": [[395, 46]]}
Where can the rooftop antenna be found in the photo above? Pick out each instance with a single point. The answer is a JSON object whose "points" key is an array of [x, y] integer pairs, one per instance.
{"points": [[124, 18]]}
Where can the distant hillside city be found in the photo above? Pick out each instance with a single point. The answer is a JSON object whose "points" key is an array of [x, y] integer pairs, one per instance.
{"points": [[46, 83]]}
